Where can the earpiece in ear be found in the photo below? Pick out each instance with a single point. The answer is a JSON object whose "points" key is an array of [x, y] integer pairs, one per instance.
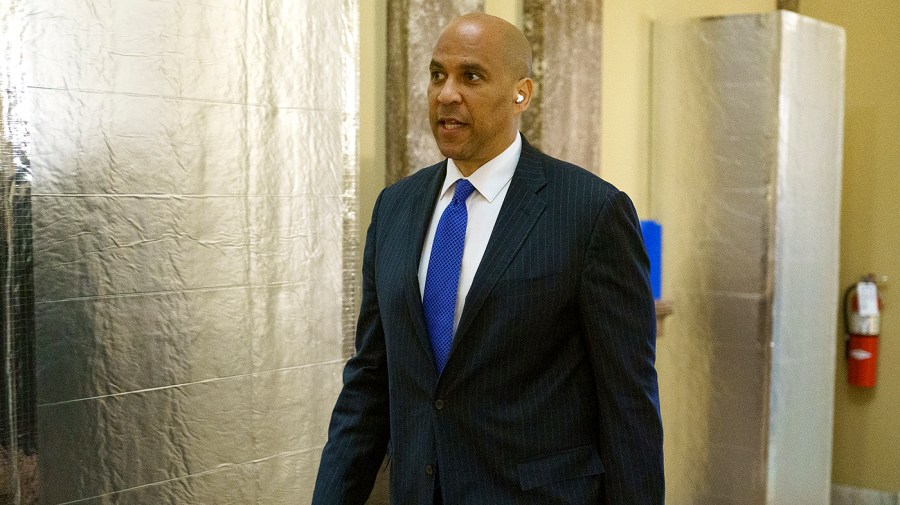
{"points": [[520, 98]]}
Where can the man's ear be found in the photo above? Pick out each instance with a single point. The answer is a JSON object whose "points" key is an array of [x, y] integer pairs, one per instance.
{"points": [[524, 89]]}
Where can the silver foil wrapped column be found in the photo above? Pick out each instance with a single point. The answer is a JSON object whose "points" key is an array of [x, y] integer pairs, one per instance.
{"points": [[195, 243], [18, 455], [746, 180]]}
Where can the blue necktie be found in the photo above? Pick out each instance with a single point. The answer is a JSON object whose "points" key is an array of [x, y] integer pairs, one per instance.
{"points": [[442, 280]]}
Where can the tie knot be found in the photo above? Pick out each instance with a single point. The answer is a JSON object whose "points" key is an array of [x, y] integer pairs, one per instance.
{"points": [[464, 188]]}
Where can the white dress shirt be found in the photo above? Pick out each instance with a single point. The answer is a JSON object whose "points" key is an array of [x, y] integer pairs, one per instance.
{"points": [[491, 182]]}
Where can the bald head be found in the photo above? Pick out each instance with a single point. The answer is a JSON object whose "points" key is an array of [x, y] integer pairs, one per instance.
{"points": [[499, 34], [478, 89]]}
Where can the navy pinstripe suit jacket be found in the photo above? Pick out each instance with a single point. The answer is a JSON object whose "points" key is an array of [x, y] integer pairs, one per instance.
{"points": [[550, 392]]}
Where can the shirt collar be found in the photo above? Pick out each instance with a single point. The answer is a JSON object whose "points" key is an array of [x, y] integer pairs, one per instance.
{"points": [[491, 177]]}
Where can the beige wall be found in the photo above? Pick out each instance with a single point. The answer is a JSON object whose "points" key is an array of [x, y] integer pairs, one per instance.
{"points": [[867, 422], [510, 10], [373, 59]]}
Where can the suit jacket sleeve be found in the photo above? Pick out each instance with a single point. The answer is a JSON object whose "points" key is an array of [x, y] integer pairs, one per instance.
{"points": [[620, 328], [359, 429]]}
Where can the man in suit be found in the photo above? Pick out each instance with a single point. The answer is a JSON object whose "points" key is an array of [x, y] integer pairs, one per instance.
{"points": [[506, 339]]}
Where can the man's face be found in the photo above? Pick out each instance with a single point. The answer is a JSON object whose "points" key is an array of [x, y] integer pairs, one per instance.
{"points": [[471, 96]]}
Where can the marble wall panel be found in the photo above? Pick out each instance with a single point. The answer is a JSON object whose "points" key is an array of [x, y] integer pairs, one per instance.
{"points": [[564, 117], [413, 28]]}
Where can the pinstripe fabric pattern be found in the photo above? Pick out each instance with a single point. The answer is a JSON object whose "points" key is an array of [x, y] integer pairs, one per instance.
{"points": [[550, 392]]}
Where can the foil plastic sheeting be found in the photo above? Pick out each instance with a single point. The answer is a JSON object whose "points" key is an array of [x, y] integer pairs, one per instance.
{"points": [[745, 179], [413, 28], [564, 117], [807, 261], [195, 243], [18, 451]]}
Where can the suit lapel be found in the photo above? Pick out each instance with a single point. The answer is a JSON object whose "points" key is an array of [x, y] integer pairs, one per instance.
{"points": [[421, 209], [521, 209]]}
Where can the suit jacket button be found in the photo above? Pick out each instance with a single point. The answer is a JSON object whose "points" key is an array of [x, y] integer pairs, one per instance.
{"points": [[439, 404], [429, 470]]}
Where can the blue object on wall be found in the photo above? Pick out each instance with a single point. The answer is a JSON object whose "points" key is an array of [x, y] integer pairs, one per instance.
{"points": [[652, 232]]}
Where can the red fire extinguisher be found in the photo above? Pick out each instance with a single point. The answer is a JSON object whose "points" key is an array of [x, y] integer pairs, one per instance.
{"points": [[862, 319]]}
